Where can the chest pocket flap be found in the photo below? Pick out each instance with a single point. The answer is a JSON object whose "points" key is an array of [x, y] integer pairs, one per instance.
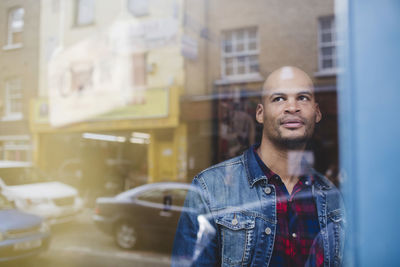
{"points": [[236, 221]]}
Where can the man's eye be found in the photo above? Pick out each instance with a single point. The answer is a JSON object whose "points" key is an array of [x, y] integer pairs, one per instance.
{"points": [[277, 99], [304, 98]]}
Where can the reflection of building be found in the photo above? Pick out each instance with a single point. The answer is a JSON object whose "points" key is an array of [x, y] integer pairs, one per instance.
{"points": [[138, 140], [239, 45], [196, 69], [18, 76]]}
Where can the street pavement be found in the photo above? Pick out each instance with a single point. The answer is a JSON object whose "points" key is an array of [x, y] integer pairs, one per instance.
{"points": [[80, 243]]}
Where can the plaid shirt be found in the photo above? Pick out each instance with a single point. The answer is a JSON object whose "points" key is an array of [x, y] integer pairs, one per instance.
{"points": [[296, 240]]}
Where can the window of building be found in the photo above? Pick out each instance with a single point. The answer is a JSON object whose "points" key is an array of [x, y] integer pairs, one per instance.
{"points": [[327, 44], [13, 99], [15, 27], [84, 12], [15, 148], [138, 7], [240, 52]]}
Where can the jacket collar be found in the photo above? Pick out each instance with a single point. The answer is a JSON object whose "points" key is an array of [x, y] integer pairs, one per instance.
{"points": [[253, 170], [255, 173]]}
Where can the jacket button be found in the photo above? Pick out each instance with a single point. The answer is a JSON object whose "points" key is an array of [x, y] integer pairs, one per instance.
{"points": [[268, 231], [234, 221], [267, 190]]}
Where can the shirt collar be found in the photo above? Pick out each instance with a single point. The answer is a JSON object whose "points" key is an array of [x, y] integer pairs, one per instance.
{"points": [[257, 170]]}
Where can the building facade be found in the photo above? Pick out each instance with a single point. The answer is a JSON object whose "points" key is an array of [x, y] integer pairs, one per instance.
{"points": [[191, 75], [239, 44], [141, 139], [18, 77]]}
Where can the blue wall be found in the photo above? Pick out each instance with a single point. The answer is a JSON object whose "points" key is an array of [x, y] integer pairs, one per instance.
{"points": [[369, 117]]}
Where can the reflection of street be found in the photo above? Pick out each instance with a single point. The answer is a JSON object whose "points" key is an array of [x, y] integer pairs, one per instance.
{"points": [[81, 244]]}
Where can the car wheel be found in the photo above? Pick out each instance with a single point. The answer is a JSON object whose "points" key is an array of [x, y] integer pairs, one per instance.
{"points": [[125, 235]]}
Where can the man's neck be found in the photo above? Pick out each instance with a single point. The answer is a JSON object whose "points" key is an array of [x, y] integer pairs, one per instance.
{"points": [[284, 162]]}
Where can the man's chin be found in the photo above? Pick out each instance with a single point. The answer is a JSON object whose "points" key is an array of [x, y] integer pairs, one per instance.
{"points": [[294, 143]]}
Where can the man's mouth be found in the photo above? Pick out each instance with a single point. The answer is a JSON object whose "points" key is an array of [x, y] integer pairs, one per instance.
{"points": [[292, 123]]}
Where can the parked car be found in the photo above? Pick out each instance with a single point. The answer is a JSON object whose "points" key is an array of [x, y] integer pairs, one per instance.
{"points": [[147, 214], [21, 234], [34, 192]]}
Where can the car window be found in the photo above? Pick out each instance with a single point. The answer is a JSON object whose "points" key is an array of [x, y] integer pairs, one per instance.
{"points": [[154, 196], [178, 196], [169, 197]]}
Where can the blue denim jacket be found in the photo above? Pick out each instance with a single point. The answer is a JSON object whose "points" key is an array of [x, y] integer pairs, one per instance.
{"points": [[229, 218]]}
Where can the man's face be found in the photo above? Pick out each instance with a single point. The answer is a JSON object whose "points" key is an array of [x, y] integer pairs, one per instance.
{"points": [[289, 114]]}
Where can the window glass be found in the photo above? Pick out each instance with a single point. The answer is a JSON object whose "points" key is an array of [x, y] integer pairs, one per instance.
{"points": [[15, 26], [13, 97], [118, 119], [155, 196], [15, 150], [327, 45], [85, 12], [238, 45]]}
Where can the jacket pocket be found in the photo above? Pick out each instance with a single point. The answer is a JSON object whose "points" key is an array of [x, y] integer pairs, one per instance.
{"points": [[237, 236], [336, 223]]}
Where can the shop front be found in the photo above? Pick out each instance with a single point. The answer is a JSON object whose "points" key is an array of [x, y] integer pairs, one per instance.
{"points": [[134, 145]]}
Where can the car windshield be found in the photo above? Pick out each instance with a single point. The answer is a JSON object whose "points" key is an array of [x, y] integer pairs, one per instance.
{"points": [[19, 176], [5, 203]]}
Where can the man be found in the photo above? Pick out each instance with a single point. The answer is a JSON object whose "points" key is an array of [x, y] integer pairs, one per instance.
{"points": [[267, 207]]}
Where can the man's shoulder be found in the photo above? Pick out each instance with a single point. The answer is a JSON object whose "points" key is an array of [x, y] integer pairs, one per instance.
{"points": [[322, 181], [222, 167], [223, 182]]}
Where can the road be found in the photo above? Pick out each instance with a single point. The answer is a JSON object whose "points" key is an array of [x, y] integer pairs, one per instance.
{"points": [[80, 243]]}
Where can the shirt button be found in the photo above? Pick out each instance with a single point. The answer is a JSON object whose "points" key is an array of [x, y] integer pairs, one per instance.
{"points": [[307, 182], [294, 235], [267, 190], [268, 231], [234, 221]]}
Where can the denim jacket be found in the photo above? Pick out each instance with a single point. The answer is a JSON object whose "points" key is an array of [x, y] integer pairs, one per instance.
{"points": [[229, 218]]}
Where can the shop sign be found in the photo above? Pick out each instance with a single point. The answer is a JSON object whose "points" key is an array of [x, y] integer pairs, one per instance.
{"points": [[96, 75], [156, 105]]}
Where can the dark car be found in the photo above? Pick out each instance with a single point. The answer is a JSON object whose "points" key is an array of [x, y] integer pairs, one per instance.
{"points": [[21, 234], [147, 214]]}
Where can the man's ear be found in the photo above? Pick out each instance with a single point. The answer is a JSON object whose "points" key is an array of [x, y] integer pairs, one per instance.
{"points": [[318, 113], [260, 113]]}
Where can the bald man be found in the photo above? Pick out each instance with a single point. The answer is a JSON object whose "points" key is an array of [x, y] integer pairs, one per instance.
{"points": [[267, 207]]}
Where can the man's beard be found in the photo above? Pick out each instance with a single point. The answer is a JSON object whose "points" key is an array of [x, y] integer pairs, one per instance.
{"points": [[287, 143], [290, 143]]}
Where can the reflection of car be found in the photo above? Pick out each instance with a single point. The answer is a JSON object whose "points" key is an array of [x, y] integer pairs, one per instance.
{"points": [[147, 214], [21, 234], [34, 193]]}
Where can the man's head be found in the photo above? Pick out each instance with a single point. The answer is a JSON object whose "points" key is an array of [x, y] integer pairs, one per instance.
{"points": [[288, 109]]}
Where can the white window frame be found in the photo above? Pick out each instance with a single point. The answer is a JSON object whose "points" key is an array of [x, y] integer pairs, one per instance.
{"points": [[80, 6], [10, 85], [246, 52], [332, 44], [10, 42]]}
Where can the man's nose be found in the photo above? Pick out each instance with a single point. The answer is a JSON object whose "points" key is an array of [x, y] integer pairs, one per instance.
{"points": [[292, 106]]}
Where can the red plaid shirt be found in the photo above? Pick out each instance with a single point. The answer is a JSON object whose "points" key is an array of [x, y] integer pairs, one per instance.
{"points": [[296, 240]]}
